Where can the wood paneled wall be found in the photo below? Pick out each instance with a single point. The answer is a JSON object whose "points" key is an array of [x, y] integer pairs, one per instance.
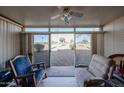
{"points": [[114, 37], [9, 41]]}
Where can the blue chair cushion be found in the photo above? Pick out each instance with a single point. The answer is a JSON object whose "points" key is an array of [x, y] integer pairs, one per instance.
{"points": [[5, 76], [22, 66], [38, 74]]}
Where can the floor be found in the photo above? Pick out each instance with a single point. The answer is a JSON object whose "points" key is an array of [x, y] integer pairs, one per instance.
{"points": [[60, 77], [61, 71], [59, 82]]}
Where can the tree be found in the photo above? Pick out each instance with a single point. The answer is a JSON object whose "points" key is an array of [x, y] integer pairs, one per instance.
{"points": [[62, 40], [85, 41], [39, 47]]}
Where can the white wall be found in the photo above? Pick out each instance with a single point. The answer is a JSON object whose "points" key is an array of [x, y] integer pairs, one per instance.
{"points": [[114, 37], [9, 41]]}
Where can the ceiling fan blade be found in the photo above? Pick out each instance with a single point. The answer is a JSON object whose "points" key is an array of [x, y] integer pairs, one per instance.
{"points": [[55, 17], [76, 14], [69, 18]]}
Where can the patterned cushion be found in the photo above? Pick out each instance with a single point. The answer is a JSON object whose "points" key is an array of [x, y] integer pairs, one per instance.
{"points": [[82, 75], [38, 74], [99, 66], [22, 66]]}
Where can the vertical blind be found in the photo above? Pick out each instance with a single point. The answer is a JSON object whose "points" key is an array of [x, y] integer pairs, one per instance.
{"points": [[114, 37], [9, 41]]}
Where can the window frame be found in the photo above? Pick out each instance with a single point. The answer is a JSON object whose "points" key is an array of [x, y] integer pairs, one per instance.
{"points": [[68, 32]]}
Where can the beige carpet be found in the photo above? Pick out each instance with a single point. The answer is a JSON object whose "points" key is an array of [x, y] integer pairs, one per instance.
{"points": [[61, 71], [59, 82], [60, 76]]}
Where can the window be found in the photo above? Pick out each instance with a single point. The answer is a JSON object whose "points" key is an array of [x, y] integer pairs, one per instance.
{"points": [[54, 29], [62, 29], [87, 29], [36, 29], [83, 49]]}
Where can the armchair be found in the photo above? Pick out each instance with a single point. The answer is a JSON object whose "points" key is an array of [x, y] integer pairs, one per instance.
{"points": [[25, 73], [118, 71], [96, 72]]}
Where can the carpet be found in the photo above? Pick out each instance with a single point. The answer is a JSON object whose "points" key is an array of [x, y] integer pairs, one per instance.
{"points": [[59, 82], [61, 71]]}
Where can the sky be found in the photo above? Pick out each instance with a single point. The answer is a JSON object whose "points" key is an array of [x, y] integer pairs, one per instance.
{"points": [[60, 29], [45, 38], [55, 37], [41, 38]]}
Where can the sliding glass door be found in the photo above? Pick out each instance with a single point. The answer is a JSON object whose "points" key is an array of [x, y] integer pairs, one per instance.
{"points": [[62, 50], [41, 49], [83, 49], [66, 49]]}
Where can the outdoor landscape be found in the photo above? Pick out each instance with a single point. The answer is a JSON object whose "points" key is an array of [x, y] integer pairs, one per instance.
{"points": [[64, 52]]}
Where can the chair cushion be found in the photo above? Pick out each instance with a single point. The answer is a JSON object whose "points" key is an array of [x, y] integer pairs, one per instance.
{"points": [[82, 74], [22, 65], [38, 74], [99, 65]]}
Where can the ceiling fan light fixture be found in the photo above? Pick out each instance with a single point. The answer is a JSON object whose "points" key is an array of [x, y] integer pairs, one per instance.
{"points": [[67, 15], [66, 18]]}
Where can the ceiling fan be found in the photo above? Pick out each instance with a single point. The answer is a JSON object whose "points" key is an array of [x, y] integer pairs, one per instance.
{"points": [[66, 14]]}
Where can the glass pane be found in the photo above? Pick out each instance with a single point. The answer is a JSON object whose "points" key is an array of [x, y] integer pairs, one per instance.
{"points": [[62, 29], [62, 50], [36, 29], [41, 49], [83, 49], [87, 29]]}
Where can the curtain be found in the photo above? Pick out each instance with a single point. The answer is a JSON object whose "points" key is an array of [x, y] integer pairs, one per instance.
{"points": [[9, 41]]}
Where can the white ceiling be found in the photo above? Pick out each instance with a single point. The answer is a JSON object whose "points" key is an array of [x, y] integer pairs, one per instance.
{"points": [[40, 15]]}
